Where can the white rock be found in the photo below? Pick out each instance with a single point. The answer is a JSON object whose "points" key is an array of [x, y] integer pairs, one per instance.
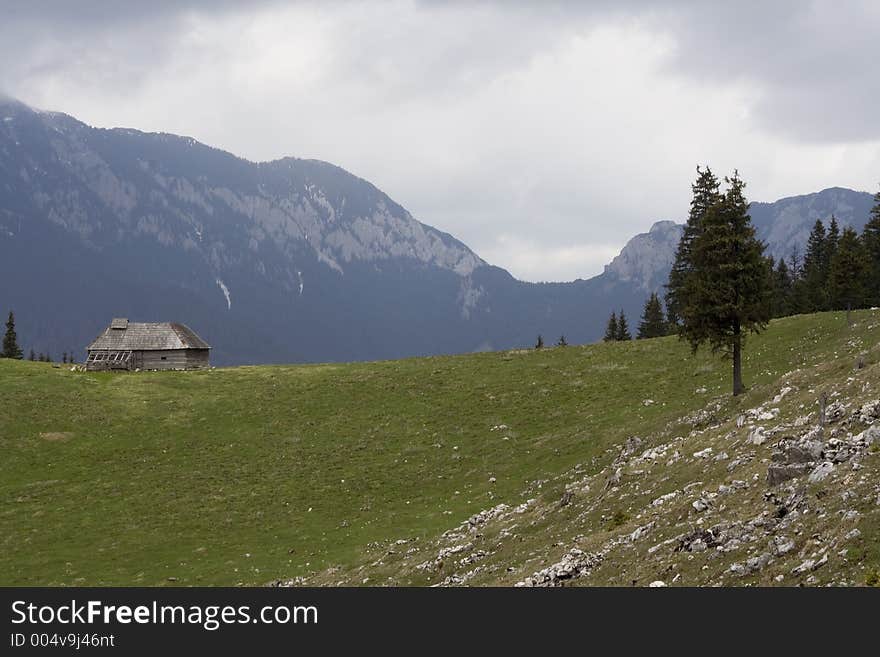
{"points": [[821, 472], [756, 436], [657, 584]]}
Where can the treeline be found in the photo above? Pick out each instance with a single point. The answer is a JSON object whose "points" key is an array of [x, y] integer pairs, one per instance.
{"points": [[11, 348], [838, 271], [653, 324]]}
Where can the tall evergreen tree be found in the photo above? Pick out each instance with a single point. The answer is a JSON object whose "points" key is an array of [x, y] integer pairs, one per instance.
{"points": [[653, 323], [815, 274], [540, 343], [799, 301], [623, 328], [783, 286], [611, 328], [562, 342], [848, 273], [10, 340], [732, 294], [32, 355], [831, 241], [704, 194], [871, 242]]}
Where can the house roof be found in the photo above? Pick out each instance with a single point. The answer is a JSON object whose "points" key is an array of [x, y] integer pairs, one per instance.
{"points": [[138, 336]]}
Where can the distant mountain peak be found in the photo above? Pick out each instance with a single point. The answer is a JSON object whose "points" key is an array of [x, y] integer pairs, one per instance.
{"points": [[647, 257]]}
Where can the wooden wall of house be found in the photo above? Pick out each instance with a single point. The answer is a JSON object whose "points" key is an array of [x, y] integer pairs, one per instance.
{"points": [[174, 359]]}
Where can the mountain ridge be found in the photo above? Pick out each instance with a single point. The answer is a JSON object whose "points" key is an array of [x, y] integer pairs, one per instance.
{"points": [[288, 260]]}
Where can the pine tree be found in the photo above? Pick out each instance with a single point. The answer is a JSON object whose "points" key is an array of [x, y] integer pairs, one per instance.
{"points": [[611, 328], [848, 272], [799, 302], [540, 343], [10, 340], [561, 342], [652, 324], [704, 195], [815, 274], [783, 287], [32, 355], [622, 328], [64, 357], [871, 242], [732, 292], [42, 357]]}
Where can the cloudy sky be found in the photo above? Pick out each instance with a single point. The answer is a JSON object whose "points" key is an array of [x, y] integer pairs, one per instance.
{"points": [[543, 135]]}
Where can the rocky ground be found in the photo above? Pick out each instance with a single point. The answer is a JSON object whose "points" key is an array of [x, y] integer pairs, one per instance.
{"points": [[778, 487]]}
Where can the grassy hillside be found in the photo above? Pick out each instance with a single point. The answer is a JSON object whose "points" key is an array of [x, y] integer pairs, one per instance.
{"points": [[254, 474]]}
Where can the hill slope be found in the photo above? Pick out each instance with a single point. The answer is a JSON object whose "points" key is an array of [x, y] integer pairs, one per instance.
{"points": [[363, 473]]}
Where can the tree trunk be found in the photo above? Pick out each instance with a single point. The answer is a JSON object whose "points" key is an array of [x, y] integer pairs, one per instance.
{"points": [[737, 360]]}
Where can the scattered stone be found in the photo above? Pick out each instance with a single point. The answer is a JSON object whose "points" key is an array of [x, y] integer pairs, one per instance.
{"points": [[700, 505], [632, 444], [821, 472], [641, 531], [696, 541], [755, 564], [782, 393], [867, 437], [699, 545], [703, 453], [665, 498], [574, 564], [780, 472], [756, 436], [852, 534], [835, 411], [781, 545], [740, 460], [870, 411], [657, 584]]}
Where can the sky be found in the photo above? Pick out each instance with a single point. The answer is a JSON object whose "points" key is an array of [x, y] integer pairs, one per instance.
{"points": [[542, 134]]}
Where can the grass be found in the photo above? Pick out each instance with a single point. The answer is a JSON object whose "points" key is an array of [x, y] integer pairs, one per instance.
{"points": [[244, 475]]}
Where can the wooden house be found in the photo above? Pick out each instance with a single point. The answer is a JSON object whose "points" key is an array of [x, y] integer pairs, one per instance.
{"points": [[128, 345]]}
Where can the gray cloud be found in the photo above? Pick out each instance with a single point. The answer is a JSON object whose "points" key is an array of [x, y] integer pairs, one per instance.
{"points": [[543, 135]]}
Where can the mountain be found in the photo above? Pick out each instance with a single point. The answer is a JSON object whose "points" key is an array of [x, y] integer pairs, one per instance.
{"points": [[291, 260], [646, 259], [285, 261], [787, 222]]}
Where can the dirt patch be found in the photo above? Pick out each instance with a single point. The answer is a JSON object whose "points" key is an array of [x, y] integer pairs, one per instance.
{"points": [[56, 436]]}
